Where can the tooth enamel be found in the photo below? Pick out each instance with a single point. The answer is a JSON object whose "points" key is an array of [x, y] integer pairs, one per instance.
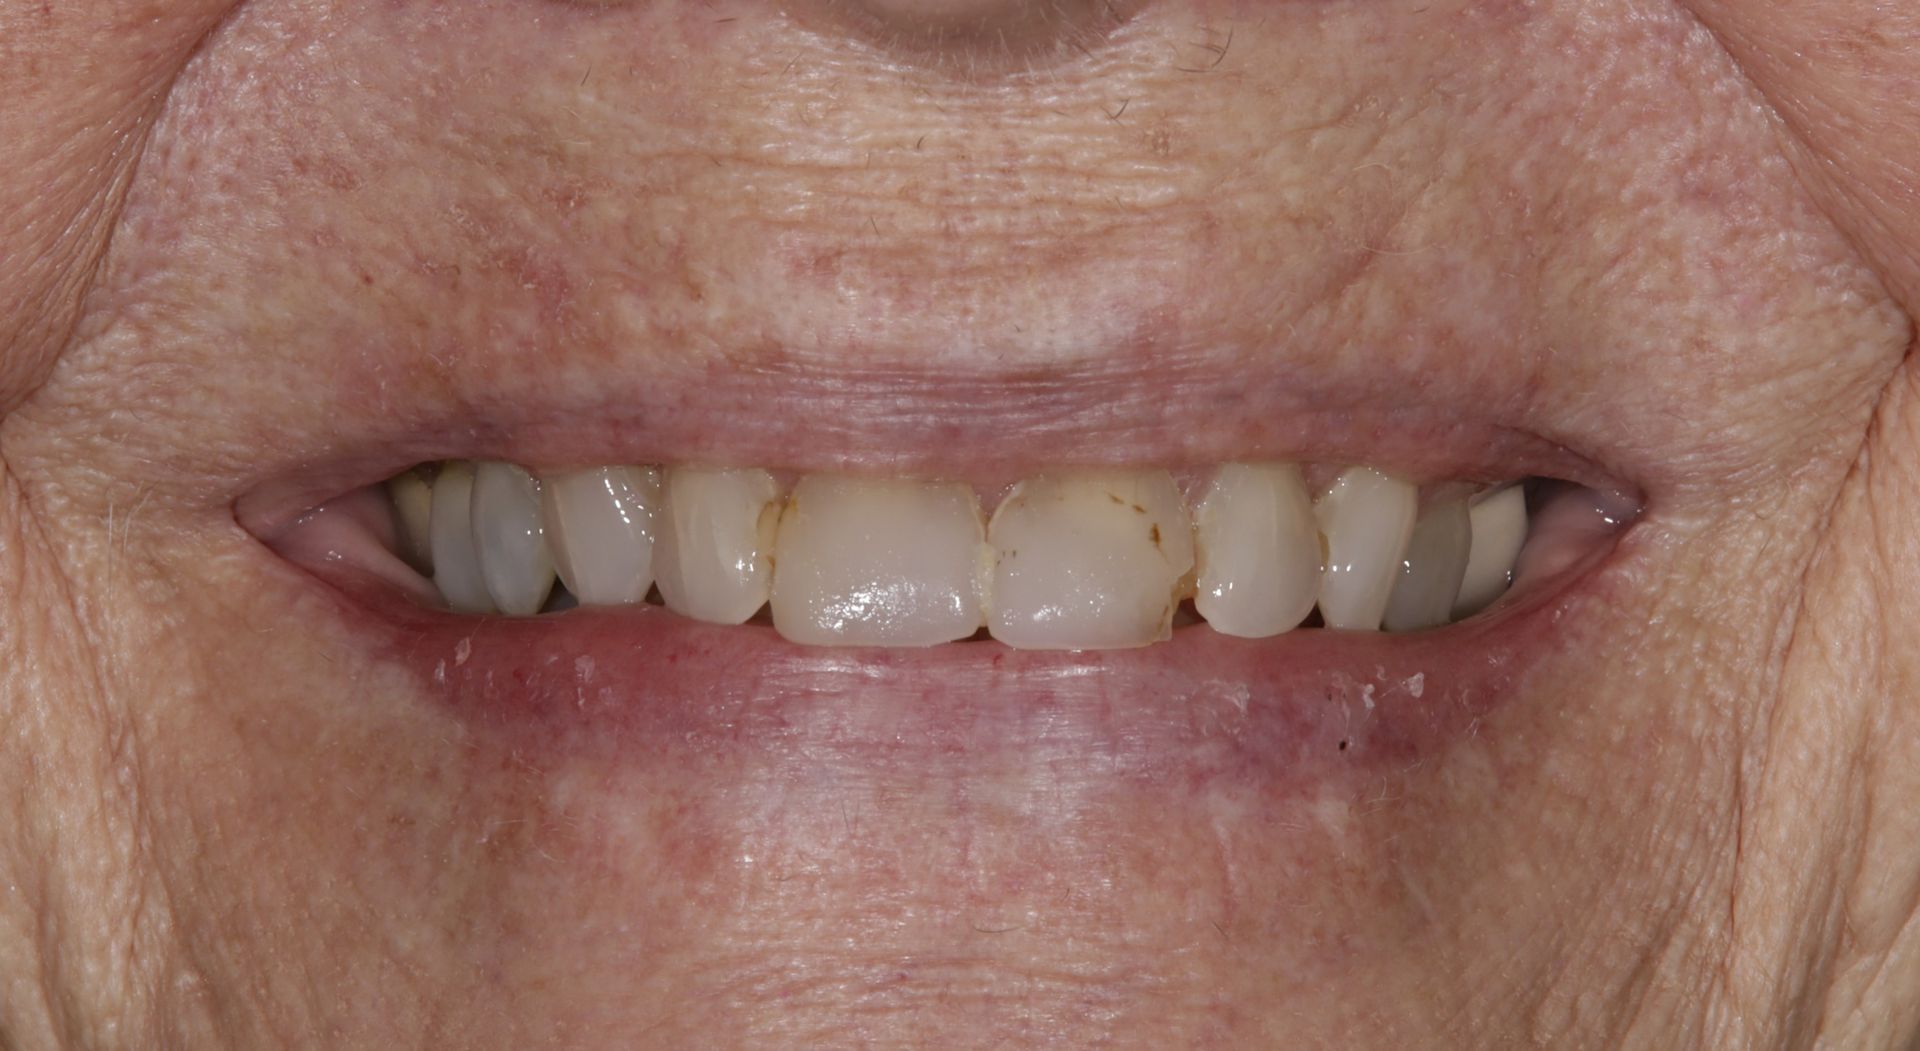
{"points": [[456, 562], [1367, 519], [1499, 531], [507, 533], [1088, 561], [412, 497], [712, 557], [1431, 571], [600, 526], [1258, 549], [878, 563]]}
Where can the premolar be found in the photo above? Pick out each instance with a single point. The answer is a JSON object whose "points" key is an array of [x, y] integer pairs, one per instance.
{"points": [[1431, 571], [713, 557], [1089, 561], [1367, 518], [1499, 526], [1258, 549], [507, 532], [600, 525], [456, 561], [878, 563]]}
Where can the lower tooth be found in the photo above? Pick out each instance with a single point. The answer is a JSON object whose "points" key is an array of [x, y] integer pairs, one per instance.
{"points": [[1430, 574], [1089, 561], [456, 562], [600, 526], [878, 563], [1499, 531], [511, 541], [1259, 551], [1367, 519], [712, 560]]}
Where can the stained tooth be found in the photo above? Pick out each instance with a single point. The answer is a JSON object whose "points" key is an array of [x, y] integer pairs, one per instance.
{"points": [[1499, 530], [456, 562], [600, 526], [878, 563], [1430, 573], [1367, 519], [1088, 561], [508, 534], [412, 497], [1258, 548], [712, 558]]}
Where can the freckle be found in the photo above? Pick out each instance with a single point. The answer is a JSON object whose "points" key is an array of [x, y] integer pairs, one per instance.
{"points": [[1115, 497], [1155, 534], [1137, 509]]}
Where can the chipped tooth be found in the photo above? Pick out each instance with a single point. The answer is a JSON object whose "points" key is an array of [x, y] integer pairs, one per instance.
{"points": [[600, 526], [712, 558], [1431, 571], [1499, 531], [1258, 550], [507, 533], [1367, 518], [412, 497], [456, 562], [878, 563], [1088, 561]]}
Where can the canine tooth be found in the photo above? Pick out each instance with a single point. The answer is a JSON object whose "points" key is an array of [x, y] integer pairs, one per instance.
{"points": [[1367, 519], [878, 563], [1258, 549], [1088, 561], [600, 525], [1430, 574], [514, 560], [1499, 531], [456, 562], [412, 497], [712, 557]]}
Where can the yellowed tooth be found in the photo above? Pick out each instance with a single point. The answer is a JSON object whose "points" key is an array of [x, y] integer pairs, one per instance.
{"points": [[412, 497], [1367, 519], [1258, 549], [1430, 574], [878, 563], [1499, 526], [600, 525], [1091, 560], [456, 561], [713, 558]]}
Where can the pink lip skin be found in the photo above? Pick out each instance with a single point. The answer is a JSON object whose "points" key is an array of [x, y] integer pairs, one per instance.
{"points": [[645, 685]]}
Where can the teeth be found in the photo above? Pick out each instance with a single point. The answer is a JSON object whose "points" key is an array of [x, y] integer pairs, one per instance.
{"points": [[600, 526], [456, 562], [1367, 518], [512, 543], [1430, 574], [1258, 547], [412, 497], [878, 563], [1499, 530], [1089, 561], [712, 560]]}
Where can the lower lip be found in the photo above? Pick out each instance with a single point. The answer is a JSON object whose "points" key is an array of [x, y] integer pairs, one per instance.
{"points": [[645, 685]]}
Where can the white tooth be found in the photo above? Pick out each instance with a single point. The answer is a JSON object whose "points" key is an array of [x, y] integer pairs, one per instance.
{"points": [[1499, 531], [412, 497], [1367, 519], [1258, 548], [600, 525], [508, 534], [456, 563], [878, 563], [1088, 561], [1430, 574], [712, 561]]}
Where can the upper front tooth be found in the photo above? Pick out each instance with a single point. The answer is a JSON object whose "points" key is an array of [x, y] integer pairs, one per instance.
{"points": [[1259, 551], [600, 525], [456, 561], [712, 559], [1367, 518], [878, 563], [1088, 561], [1430, 573], [1499, 530], [509, 536]]}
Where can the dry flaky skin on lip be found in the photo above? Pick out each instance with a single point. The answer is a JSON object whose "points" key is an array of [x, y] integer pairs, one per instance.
{"points": [[1472, 239]]}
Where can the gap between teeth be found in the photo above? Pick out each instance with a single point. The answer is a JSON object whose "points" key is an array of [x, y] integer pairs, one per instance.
{"points": [[1069, 560]]}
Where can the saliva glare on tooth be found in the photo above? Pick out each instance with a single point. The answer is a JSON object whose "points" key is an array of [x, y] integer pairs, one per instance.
{"points": [[1073, 559]]}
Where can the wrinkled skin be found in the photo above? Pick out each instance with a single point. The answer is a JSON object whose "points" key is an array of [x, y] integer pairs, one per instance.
{"points": [[1682, 242]]}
